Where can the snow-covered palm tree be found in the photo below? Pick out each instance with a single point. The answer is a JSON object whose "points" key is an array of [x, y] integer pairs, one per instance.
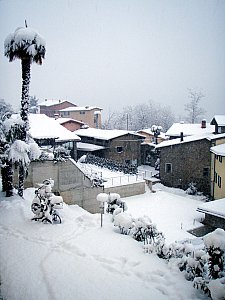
{"points": [[28, 46]]}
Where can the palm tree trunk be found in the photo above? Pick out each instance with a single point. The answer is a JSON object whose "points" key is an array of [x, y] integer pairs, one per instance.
{"points": [[8, 179], [26, 63]]}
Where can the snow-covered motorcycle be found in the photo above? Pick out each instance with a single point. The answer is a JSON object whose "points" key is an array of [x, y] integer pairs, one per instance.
{"points": [[46, 203]]}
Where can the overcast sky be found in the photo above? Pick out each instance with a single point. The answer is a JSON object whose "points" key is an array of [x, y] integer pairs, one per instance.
{"points": [[115, 53]]}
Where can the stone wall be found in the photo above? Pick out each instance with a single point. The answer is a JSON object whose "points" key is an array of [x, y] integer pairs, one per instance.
{"points": [[214, 221], [190, 162]]}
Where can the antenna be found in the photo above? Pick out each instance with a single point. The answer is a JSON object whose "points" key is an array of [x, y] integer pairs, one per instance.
{"points": [[26, 23]]}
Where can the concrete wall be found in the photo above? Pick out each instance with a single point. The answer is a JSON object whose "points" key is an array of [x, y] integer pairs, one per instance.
{"points": [[74, 186], [214, 221]]}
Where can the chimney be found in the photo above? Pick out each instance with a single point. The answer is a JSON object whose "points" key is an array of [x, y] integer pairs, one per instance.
{"points": [[181, 136], [203, 125]]}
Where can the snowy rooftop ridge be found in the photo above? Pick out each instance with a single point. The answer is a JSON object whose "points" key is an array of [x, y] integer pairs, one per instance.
{"points": [[218, 150], [215, 208], [50, 102], [220, 120], [78, 108], [189, 129], [43, 127], [104, 134], [192, 138], [64, 120]]}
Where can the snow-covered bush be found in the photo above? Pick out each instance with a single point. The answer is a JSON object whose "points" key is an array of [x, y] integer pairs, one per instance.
{"points": [[115, 204], [144, 230], [192, 189], [124, 221], [196, 265], [217, 288], [215, 245]]}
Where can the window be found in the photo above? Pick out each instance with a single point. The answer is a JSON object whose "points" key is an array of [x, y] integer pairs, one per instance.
{"points": [[119, 149], [82, 112], [66, 113], [205, 172], [168, 168], [215, 177], [219, 181], [220, 158]]}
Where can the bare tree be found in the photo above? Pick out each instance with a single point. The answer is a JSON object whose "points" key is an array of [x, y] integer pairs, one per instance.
{"points": [[192, 107], [140, 116]]}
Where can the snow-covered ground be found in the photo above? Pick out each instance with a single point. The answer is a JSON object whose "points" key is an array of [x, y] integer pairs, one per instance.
{"points": [[80, 260]]}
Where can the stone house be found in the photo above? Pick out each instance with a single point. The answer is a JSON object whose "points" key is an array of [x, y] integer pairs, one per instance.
{"points": [[219, 122], [51, 108], [218, 171], [187, 160], [119, 145], [90, 115]]}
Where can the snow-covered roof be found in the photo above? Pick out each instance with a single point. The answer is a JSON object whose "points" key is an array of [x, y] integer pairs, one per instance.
{"points": [[64, 120], [189, 129], [43, 127], [218, 150], [104, 134], [215, 208], [78, 108], [88, 147], [192, 138], [52, 102], [220, 120]]}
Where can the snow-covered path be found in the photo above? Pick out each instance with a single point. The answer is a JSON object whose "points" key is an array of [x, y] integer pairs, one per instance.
{"points": [[80, 260]]}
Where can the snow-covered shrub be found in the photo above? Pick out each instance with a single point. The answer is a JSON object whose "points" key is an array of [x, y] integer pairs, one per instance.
{"points": [[196, 265], [217, 288], [96, 180], [143, 230], [61, 153], [124, 221], [215, 245], [192, 189], [114, 203]]}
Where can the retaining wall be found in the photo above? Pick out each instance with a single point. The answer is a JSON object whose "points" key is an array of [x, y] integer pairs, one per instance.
{"points": [[72, 184]]}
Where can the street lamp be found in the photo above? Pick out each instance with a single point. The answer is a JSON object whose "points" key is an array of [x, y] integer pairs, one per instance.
{"points": [[102, 198], [156, 131]]}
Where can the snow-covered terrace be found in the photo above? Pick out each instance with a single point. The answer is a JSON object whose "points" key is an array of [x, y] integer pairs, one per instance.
{"points": [[43, 127], [215, 208], [104, 134]]}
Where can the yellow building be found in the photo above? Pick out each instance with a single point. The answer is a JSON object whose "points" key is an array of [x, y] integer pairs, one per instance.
{"points": [[218, 171]]}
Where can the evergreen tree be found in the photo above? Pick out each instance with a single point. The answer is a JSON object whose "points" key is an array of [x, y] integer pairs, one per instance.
{"points": [[28, 46]]}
